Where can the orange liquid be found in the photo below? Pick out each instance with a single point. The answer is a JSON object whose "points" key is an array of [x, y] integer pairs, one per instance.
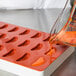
{"points": [[64, 38], [68, 37]]}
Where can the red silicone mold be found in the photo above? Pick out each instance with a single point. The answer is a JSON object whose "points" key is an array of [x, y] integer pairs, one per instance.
{"points": [[27, 47]]}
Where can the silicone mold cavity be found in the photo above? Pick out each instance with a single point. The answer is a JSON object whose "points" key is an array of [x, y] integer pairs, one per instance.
{"points": [[24, 57], [12, 40], [4, 26], [24, 32], [14, 29], [2, 36], [25, 43], [37, 47], [37, 35]]}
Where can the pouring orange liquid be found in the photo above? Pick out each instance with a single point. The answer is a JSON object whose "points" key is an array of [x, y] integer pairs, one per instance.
{"points": [[68, 38]]}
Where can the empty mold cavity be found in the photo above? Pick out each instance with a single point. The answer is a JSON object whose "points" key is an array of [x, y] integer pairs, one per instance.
{"points": [[57, 44], [14, 29], [11, 52], [51, 51], [25, 32], [37, 47], [1, 47], [47, 39], [4, 26], [25, 43], [39, 62], [37, 35], [2, 36], [24, 57], [12, 40]]}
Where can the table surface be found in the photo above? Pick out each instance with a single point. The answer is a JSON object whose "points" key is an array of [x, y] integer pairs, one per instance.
{"points": [[41, 20]]}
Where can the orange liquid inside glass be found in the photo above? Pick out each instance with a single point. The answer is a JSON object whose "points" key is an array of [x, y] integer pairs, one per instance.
{"points": [[64, 38], [68, 38]]}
